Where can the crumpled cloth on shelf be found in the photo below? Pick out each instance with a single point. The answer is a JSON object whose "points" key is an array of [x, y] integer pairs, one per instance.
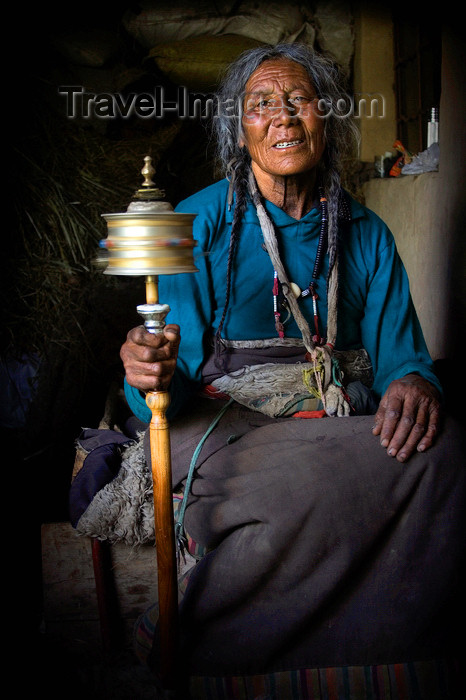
{"points": [[425, 162]]}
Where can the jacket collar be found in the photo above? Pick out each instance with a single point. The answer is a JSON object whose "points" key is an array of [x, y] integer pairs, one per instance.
{"points": [[281, 218]]}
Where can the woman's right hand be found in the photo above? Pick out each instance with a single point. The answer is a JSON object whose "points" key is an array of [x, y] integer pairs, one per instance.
{"points": [[150, 359]]}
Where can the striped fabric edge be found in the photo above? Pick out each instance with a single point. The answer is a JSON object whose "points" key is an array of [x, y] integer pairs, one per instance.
{"points": [[196, 550], [436, 679], [144, 627], [418, 680], [144, 631]]}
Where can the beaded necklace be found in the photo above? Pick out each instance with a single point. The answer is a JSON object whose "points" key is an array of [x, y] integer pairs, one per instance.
{"points": [[311, 288]]}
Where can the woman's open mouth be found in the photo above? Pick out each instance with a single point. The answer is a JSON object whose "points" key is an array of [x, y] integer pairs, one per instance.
{"points": [[288, 144]]}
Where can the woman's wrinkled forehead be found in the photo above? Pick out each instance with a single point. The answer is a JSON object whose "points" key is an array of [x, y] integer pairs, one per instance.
{"points": [[279, 75]]}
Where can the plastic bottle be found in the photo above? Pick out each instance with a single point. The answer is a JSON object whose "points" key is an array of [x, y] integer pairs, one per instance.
{"points": [[432, 127]]}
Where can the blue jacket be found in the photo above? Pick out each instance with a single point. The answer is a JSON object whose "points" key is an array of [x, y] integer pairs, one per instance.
{"points": [[375, 309]]}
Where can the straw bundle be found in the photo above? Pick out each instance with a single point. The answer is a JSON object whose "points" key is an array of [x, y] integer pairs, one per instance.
{"points": [[67, 176]]}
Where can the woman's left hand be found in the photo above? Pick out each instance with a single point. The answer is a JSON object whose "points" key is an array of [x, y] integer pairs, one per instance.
{"points": [[408, 417]]}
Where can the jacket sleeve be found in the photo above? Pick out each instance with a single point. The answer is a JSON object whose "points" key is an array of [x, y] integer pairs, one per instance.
{"points": [[390, 329]]}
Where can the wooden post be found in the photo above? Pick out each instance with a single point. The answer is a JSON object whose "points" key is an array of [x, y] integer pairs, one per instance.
{"points": [[158, 402]]}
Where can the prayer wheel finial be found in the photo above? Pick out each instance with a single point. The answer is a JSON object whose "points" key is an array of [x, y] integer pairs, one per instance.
{"points": [[148, 172], [149, 196]]}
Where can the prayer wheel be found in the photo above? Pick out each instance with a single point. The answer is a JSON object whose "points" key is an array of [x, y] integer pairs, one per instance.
{"points": [[150, 239]]}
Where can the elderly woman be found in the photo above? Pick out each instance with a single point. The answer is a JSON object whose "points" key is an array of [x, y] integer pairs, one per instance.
{"points": [[320, 549]]}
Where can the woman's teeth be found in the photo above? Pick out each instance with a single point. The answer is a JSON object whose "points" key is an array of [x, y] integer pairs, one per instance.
{"points": [[286, 144]]}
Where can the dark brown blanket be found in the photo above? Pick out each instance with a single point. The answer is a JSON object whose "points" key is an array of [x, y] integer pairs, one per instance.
{"points": [[324, 551]]}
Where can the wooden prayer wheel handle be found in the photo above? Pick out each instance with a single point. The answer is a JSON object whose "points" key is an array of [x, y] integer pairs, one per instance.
{"points": [[158, 402]]}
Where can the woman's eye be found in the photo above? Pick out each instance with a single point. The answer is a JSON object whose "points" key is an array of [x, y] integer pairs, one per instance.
{"points": [[299, 100], [257, 105], [265, 104]]}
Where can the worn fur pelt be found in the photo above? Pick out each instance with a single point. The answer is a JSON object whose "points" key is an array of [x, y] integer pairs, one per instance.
{"points": [[123, 510], [282, 389]]}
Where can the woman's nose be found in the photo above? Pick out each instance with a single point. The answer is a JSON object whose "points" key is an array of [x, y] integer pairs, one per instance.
{"points": [[285, 114]]}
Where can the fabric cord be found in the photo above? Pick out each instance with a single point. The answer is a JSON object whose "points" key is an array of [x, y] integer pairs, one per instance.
{"points": [[317, 354], [180, 536], [272, 249]]}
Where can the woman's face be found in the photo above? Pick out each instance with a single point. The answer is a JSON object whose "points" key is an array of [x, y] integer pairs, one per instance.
{"points": [[282, 128]]}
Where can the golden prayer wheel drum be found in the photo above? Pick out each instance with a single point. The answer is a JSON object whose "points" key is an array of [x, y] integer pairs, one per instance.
{"points": [[149, 243]]}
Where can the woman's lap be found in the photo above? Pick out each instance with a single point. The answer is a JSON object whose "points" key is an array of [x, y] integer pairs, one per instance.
{"points": [[324, 550]]}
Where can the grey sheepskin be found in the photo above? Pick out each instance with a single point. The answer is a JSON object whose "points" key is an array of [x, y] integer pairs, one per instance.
{"points": [[123, 510], [277, 389]]}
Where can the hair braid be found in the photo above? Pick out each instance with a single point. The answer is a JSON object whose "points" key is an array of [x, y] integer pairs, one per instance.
{"points": [[239, 171]]}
